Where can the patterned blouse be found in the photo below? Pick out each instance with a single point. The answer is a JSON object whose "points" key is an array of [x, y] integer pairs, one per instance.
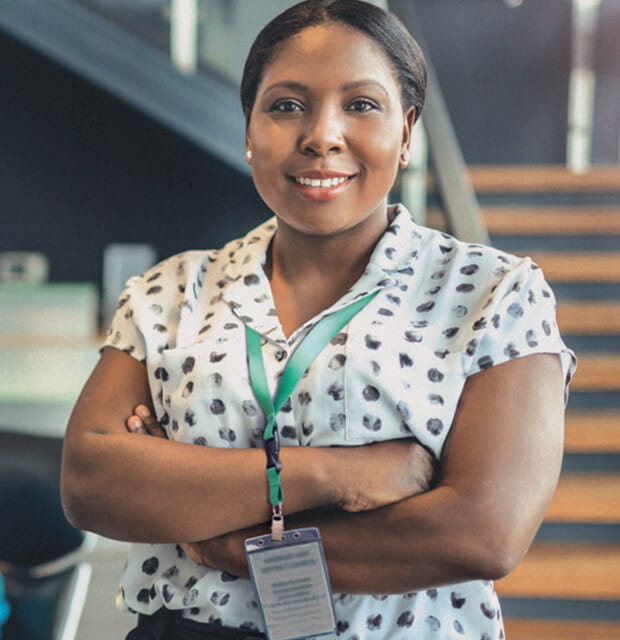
{"points": [[445, 310]]}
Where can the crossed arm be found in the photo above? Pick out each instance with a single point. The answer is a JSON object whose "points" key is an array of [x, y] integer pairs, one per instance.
{"points": [[384, 533]]}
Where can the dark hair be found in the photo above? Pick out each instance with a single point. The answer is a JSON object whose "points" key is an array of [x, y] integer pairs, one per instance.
{"points": [[385, 28]]}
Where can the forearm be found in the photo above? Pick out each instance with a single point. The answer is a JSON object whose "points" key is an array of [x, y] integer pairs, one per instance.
{"points": [[420, 543], [154, 490], [499, 469], [430, 540], [150, 489]]}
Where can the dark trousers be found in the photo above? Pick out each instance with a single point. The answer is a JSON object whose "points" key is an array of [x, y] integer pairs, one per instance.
{"points": [[170, 625]]}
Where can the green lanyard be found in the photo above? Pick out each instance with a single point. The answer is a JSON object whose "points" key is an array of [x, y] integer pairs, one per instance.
{"points": [[310, 347]]}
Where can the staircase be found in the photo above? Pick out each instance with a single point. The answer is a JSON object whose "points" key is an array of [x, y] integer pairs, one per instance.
{"points": [[568, 586]]}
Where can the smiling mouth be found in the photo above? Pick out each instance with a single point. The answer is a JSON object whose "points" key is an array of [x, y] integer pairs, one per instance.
{"points": [[328, 183]]}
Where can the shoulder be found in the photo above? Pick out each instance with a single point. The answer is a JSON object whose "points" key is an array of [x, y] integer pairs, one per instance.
{"points": [[460, 270], [171, 276], [442, 249], [459, 289], [179, 281]]}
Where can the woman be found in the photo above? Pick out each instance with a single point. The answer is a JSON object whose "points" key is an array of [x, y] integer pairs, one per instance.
{"points": [[456, 360]]}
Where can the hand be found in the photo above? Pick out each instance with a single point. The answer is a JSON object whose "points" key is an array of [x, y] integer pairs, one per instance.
{"points": [[142, 421], [224, 553], [198, 552], [204, 553], [375, 475]]}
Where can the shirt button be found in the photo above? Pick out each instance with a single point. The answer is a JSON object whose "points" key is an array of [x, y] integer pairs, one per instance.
{"points": [[281, 355]]}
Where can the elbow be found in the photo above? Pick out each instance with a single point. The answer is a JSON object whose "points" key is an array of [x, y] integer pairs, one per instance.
{"points": [[74, 501], [492, 542], [500, 559], [78, 488], [73, 513], [496, 551]]}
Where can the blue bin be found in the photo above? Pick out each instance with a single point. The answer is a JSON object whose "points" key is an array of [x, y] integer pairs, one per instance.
{"points": [[4, 606]]}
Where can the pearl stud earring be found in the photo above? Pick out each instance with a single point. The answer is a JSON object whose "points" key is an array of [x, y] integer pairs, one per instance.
{"points": [[248, 155]]}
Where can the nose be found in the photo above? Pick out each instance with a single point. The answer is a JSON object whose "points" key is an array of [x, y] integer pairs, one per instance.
{"points": [[323, 134]]}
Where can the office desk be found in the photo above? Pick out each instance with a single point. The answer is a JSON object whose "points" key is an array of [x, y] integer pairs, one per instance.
{"points": [[40, 380]]}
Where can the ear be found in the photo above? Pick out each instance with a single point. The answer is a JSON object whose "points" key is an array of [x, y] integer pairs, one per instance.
{"points": [[409, 121], [248, 150]]}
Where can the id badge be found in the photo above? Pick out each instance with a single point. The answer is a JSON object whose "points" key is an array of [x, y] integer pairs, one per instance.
{"points": [[291, 584]]}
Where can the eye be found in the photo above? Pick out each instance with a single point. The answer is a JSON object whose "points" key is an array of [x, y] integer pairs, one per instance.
{"points": [[286, 106], [363, 105]]}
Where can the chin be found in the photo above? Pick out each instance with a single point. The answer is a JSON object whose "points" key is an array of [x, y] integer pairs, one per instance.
{"points": [[320, 228]]}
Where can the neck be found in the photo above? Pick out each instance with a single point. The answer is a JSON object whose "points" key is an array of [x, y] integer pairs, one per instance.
{"points": [[342, 257], [310, 273]]}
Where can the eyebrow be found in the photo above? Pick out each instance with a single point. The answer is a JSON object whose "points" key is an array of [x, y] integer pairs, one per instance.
{"points": [[347, 86]]}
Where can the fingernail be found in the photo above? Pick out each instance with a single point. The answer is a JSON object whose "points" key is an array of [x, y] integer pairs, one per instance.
{"points": [[135, 424], [143, 412]]}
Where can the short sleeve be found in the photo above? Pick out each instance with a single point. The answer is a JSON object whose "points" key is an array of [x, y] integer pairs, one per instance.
{"points": [[123, 333], [517, 320]]}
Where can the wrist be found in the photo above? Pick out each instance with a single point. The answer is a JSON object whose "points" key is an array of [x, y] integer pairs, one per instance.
{"points": [[309, 477], [331, 470]]}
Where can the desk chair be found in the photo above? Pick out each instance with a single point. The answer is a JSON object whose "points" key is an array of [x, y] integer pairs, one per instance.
{"points": [[42, 557]]}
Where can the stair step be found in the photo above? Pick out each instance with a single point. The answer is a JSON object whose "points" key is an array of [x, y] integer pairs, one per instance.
{"points": [[586, 498], [543, 179], [597, 372], [599, 266], [592, 432], [594, 318], [565, 571], [552, 220], [531, 629]]}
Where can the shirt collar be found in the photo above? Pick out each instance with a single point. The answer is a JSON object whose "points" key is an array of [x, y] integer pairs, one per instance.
{"points": [[245, 287], [397, 251]]}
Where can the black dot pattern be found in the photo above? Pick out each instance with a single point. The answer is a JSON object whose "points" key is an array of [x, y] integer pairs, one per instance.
{"points": [[445, 310]]}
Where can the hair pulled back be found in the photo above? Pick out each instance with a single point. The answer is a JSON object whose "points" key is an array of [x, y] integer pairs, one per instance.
{"points": [[385, 28]]}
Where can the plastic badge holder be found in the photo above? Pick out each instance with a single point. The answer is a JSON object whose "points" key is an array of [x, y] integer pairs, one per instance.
{"points": [[291, 584]]}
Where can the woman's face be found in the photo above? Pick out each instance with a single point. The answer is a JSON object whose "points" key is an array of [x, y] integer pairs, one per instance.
{"points": [[327, 131]]}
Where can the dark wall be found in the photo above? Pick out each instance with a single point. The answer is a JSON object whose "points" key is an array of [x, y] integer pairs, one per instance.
{"points": [[606, 139], [79, 170], [504, 75]]}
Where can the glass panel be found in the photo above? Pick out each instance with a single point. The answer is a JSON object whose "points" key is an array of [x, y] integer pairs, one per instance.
{"points": [[220, 32], [147, 19]]}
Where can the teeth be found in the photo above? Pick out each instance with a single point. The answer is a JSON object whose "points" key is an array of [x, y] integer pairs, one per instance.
{"points": [[323, 184]]}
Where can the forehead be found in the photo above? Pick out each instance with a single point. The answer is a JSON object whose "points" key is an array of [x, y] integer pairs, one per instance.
{"points": [[326, 51]]}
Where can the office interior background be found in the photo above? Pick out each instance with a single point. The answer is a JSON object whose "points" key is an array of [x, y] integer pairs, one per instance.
{"points": [[121, 143]]}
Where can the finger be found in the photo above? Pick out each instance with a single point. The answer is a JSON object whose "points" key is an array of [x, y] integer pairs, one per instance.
{"points": [[192, 552], [143, 412], [134, 424], [149, 421]]}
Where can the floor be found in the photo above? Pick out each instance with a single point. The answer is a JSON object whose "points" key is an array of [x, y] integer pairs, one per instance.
{"points": [[100, 619]]}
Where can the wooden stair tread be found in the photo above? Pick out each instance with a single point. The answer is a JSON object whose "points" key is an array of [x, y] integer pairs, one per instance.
{"points": [[592, 432], [597, 372], [565, 571], [594, 318], [586, 498], [532, 629], [593, 266], [543, 178], [549, 220]]}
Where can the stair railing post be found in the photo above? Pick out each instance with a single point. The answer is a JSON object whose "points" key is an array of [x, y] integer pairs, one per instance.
{"points": [[582, 86], [184, 35]]}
